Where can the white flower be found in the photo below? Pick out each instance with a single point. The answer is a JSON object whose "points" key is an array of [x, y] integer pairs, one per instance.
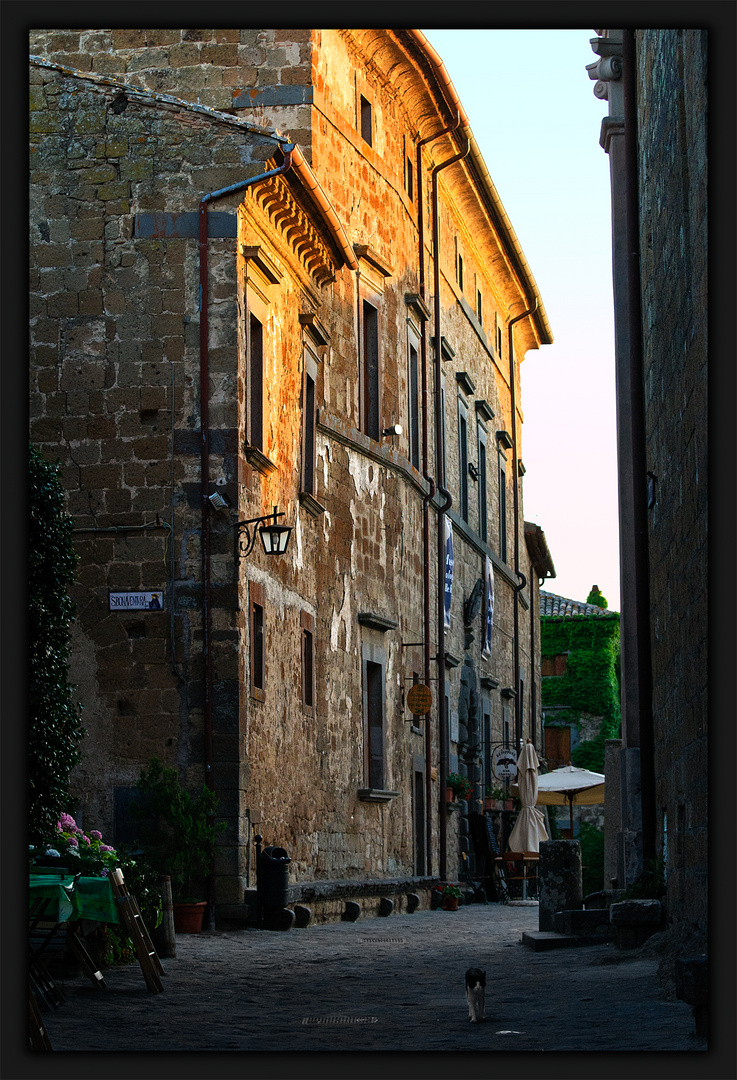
{"points": [[53, 852]]}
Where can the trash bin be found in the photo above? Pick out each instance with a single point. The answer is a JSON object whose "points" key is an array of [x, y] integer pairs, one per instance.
{"points": [[273, 877]]}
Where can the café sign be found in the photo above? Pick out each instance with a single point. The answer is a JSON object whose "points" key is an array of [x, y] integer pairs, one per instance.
{"points": [[136, 601], [504, 762]]}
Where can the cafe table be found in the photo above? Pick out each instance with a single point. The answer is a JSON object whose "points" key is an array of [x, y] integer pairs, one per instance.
{"points": [[58, 898]]}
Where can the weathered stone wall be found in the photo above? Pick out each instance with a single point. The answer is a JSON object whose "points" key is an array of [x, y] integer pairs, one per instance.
{"points": [[116, 298], [672, 120], [264, 75]]}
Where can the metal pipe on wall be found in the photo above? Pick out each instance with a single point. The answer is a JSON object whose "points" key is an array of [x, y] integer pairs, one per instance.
{"points": [[442, 511], [427, 660], [515, 497]]}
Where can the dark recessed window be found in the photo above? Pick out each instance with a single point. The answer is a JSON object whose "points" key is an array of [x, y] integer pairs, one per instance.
{"points": [[370, 411], [479, 314], [366, 121], [258, 652], [409, 179], [375, 723], [414, 409], [256, 383], [459, 272], [463, 459], [307, 622], [309, 425], [482, 480], [502, 508]]}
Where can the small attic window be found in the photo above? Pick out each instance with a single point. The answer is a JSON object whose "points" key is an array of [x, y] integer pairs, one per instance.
{"points": [[366, 121]]}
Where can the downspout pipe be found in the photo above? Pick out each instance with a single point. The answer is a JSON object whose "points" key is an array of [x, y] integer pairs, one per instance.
{"points": [[442, 510], [205, 507], [522, 580], [636, 407], [430, 493]]}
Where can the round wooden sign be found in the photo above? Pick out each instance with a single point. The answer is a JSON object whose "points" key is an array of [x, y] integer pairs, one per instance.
{"points": [[419, 699]]}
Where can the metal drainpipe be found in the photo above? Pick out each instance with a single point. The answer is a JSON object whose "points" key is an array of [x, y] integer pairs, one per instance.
{"points": [[515, 468], [427, 498], [442, 511], [205, 471], [636, 406]]}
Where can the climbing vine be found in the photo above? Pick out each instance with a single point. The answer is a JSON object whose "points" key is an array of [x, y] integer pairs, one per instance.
{"points": [[591, 682], [54, 730]]}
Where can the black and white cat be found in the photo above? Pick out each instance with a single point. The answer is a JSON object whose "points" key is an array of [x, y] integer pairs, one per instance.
{"points": [[475, 987]]}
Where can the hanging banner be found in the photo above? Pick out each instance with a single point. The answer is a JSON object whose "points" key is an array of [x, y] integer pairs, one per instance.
{"points": [[448, 569], [488, 608]]}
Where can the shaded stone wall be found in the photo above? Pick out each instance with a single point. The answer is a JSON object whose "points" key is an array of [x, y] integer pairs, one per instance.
{"points": [[672, 94]]}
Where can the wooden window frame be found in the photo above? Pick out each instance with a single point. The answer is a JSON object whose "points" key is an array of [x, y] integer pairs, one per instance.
{"points": [[257, 644]]}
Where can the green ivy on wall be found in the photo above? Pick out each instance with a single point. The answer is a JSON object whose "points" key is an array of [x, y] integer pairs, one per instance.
{"points": [[54, 728], [591, 683]]}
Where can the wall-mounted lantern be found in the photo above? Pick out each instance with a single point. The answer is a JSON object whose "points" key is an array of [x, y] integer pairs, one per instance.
{"points": [[274, 537]]}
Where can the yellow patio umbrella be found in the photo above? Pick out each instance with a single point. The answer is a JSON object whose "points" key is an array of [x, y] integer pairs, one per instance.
{"points": [[572, 786]]}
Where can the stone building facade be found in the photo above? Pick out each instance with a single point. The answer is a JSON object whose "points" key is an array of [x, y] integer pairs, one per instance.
{"points": [[281, 359], [656, 84]]}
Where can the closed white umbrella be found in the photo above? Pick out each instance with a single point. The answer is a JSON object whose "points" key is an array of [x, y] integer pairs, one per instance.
{"points": [[571, 786], [529, 829]]}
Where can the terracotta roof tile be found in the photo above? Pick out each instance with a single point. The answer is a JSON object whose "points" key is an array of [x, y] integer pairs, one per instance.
{"points": [[551, 604]]}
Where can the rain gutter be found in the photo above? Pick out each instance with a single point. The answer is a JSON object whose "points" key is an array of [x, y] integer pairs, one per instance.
{"points": [[522, 580], [442, 511], [507, 234], [428, 496]]}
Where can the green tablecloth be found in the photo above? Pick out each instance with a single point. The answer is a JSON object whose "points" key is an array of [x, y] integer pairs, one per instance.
{"points": [[92, 898]]}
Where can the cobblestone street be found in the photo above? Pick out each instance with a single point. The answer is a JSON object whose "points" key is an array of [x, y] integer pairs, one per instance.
{"points": [[394, 984]]}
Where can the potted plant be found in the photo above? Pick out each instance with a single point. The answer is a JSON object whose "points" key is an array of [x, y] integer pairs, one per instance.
{"points": [[497, 798], [450, 895], [178, 833], [460, 785]]}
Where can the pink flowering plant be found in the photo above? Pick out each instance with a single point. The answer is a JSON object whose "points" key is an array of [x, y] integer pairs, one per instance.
{"points": [[80, 851]]}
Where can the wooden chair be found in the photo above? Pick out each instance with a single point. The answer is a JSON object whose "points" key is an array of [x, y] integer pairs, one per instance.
{"points": [[518, 866], [131, 918]]}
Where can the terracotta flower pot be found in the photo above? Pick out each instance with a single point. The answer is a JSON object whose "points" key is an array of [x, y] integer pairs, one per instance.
{"points": [[450, 903], [449, 794], [188, 917]]}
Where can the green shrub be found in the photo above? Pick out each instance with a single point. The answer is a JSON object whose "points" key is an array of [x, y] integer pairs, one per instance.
{"points": [[176, 831]]}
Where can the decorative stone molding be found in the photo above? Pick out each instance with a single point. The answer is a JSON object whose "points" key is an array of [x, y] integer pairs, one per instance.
{"points": [[376, 795], [258, 461], [418, 305], [291, 221], [363, 251], [376, 622]]}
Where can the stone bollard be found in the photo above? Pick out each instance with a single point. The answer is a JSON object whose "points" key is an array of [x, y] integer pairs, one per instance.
{"points": [[561, 882]]}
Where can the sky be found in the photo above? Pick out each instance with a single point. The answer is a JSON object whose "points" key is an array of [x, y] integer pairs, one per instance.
{"points": [[534, 116]]}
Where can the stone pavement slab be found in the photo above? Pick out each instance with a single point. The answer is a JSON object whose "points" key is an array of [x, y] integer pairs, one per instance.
{"points": [[393, 984]]}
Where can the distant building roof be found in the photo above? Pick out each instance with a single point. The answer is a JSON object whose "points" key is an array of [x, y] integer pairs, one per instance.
{"points": [[550, 604]]}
